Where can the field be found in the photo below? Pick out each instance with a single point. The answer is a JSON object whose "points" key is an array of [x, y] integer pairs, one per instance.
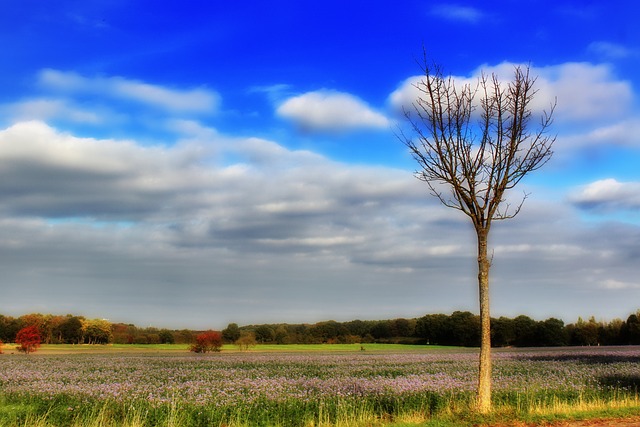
{"points": [[308, 385]]}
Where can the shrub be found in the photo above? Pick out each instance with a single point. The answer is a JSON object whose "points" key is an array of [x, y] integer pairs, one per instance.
{"points": [[1, 343], [246, 341], [207, 341], [29, 339]]}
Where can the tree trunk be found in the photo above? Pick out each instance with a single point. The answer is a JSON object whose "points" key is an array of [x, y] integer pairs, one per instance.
{"points": [[484, 374]]}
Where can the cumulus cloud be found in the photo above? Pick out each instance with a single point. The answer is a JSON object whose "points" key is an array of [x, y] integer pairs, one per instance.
{"points": [[584, 92], [330, 111], [197, 100], [608, 195]]}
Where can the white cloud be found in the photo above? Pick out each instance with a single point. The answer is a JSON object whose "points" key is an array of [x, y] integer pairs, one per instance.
{"points": [[192, 100], [408, 92], [611, 51], [608, 195], [330, 111], [458, 13], [275, 93], [46, 109], [624, 133], [187, 101], [584, 92]]}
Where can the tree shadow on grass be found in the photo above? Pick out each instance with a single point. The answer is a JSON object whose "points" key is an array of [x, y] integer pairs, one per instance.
{"points": [[620, 381], [584, 357]]}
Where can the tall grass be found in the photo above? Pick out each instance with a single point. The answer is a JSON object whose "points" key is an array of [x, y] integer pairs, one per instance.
{"points": [[428, 409]]}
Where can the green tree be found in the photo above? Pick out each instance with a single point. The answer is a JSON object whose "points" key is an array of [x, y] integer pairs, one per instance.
{"points": [[525, 329], [381, 330], [166, 337], [329, 331], [551, 333], [402, 328], [71, 330], [611, 333], [231, 333], [55, 322], [585, 333], [432, 328], [265, 334], [631, 329], [281, 334], [9, 327], [503, 332], [471, 159], [463, 328]]}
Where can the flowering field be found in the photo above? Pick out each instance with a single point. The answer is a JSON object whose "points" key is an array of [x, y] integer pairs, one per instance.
{"points": [[299, 389]]}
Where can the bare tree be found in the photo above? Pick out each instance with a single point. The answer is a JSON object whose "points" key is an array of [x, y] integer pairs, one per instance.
{"points": [[472, 145]]}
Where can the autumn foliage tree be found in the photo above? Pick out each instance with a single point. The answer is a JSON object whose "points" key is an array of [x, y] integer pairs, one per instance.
{"points": [[246, 341], [474, 143], [207, 341], [29, 339]]}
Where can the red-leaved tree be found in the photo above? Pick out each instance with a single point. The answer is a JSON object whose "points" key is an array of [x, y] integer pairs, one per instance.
{"points": [[207, 341], [1, 344], [29, 339]]}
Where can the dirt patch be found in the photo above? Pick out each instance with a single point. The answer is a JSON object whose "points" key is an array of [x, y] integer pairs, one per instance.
{"points": [[626, 422], [620, 422]]}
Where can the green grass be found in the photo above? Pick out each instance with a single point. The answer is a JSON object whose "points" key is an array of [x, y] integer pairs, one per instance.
{"points": [[452, 411]]}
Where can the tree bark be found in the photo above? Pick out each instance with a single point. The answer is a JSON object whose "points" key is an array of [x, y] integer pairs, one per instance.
{"points": [[484, 374]]}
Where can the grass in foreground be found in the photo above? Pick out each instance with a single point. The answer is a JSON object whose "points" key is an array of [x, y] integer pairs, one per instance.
{"points": [[324, 414]]}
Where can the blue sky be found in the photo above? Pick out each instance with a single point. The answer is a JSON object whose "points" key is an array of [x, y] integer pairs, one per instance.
{"points": [[192, 164]]}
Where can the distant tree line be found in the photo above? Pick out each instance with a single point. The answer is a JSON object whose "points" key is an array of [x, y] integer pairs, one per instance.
{"points": [[70, 329], [460, 328]]}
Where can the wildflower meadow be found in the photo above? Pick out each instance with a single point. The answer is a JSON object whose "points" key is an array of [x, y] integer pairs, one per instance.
{"points": [[302, 389]]}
